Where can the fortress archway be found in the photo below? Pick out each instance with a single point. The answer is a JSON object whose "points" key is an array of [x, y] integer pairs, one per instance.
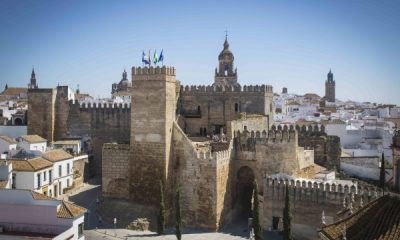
{"points": [[244, 192]]}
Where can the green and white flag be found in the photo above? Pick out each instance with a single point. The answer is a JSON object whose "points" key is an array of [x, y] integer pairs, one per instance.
{"points": [[155, 58]]}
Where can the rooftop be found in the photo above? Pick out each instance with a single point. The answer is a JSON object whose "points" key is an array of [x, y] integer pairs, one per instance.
{"points": [[31, 165], [33, 138], [8, 139], [14, 91], [57, 155], [377, 220], [67, 142]]}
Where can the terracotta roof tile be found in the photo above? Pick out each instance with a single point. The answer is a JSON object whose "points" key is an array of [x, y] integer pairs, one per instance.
{"points": [[8, 139], [33, 138], [67, 142], [377, 220], [14, 91], [56, 155], [70, 210], [31, 165], [3, 183], [39, 196]]}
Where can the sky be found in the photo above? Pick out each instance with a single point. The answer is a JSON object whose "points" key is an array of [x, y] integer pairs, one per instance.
{"points": [[289, 44]]}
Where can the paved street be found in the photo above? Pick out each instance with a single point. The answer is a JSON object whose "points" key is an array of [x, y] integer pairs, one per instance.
{"points": [[86, 197]]}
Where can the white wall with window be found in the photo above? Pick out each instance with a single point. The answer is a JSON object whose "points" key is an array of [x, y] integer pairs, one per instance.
{"points": [[63, 175], [38, 181]]}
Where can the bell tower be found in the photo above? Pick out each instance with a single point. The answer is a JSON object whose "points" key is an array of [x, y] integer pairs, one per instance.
{"points": [[330, 87], [226, 74], [32, 84]]}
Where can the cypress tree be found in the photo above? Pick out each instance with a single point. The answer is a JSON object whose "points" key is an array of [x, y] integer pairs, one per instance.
{"points": [[382, 175], [178, 219], [287, 217], [256, 214], [161, 214]]}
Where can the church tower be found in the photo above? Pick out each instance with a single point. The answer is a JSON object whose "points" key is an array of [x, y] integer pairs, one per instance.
{"points": [[226, 74], [32, 84], [330, 87]]}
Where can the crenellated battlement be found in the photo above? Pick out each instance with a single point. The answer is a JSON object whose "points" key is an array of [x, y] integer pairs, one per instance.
{"points": [[193, 89], [328, 187], [313, 130], [99, 105], [164, 70], [275, 134], [216, 157]]}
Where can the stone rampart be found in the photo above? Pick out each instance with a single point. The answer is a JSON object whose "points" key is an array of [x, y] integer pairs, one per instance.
{"points": [[100, 123], [203, 178], [193, 89], [309, 198], [115, 170]]}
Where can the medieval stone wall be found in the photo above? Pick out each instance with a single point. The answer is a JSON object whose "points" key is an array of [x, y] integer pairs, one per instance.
{"points": [[203, 179], [208, 106], [100, 123], [41, 113], [327, 197], [326, 148], [115, 169], [267, 152], [61, 112]]}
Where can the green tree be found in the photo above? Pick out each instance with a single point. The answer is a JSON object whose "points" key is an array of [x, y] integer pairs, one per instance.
{"points": [[256, 214], [161, 214], [287, 217], [382, 175], [178, 219]]}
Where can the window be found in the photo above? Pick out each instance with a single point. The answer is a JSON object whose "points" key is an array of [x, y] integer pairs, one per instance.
{"points": [[236, 107], [50, 194], [80, 230], [50, 180], [68, 168], [44, 176], [68, 182], [59, 188], [38, 181], [59, 171]]}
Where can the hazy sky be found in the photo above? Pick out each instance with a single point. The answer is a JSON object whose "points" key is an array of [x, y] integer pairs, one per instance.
{"points": [[281, 43]]}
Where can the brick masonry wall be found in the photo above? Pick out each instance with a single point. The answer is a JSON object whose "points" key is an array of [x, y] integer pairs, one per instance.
{"points": [[115, 168]]}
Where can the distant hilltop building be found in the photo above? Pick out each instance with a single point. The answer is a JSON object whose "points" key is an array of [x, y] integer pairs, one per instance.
{"points": [[330, 88]]}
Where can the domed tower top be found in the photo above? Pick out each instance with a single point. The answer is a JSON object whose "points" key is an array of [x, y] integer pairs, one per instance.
{"points": [[225, 74]]}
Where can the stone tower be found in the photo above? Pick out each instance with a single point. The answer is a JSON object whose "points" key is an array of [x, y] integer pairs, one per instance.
{"points": [[226, 74], [32, 84], [330, 87], [154, 98]]}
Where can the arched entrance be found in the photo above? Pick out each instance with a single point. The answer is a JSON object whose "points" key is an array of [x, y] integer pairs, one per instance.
{"points": [[244, 190], [18, 121]]}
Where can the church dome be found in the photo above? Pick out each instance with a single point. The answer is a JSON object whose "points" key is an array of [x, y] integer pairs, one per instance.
{"points": [[226, 54]]}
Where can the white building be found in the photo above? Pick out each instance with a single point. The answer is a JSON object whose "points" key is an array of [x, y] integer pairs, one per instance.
{"points": [[5, 174], [63, 174], [29, 213], [71, 146], [33, 144], [33, 174], [7, 145]]}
